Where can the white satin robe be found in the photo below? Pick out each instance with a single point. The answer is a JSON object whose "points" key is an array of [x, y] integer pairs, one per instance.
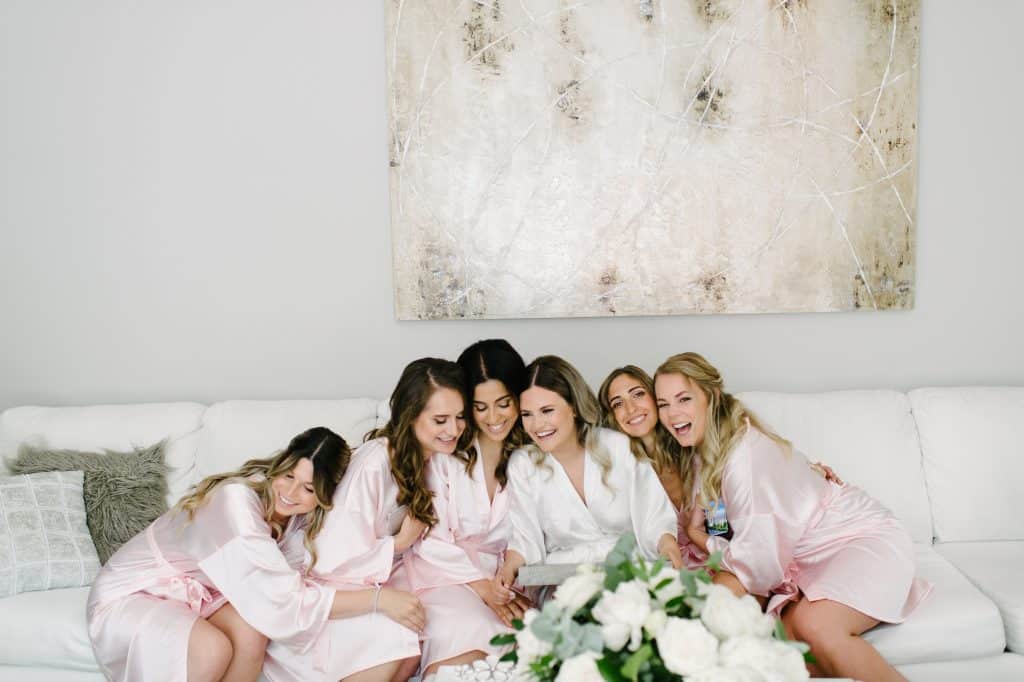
{"points": [[355, 551], [551, 524], [147, 597], [466, 545], [794, 531]]}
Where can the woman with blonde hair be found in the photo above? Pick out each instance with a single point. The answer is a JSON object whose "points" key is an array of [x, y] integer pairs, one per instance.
{"points": [[628, 405], [382, 507], [578, 487], [199, 592], [831, 559]]}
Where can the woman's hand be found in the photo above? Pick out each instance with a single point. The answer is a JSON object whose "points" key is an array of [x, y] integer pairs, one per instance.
{"points": [[509, 570], [826, 471], [505, 603], [695, 528], [403, 608], [669, 549], [412, 530]]}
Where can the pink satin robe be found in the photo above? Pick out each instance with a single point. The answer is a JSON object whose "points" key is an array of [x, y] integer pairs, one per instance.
{"points": [[355, 551], [147, 597], [794, 532], [466, 545], [552, 524]]}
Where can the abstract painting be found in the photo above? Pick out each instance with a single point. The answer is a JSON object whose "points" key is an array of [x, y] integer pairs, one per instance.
{"points": [[559, 158]]}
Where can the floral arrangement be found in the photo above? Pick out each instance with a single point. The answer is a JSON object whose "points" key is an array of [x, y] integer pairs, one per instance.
{"points": [[631, 620]]}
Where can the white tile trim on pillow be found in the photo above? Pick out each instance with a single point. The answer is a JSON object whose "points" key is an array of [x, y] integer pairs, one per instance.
{"points": [[53, 500]]}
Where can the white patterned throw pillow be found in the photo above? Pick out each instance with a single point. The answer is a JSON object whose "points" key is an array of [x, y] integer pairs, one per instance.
{"points": [[44, 542]]}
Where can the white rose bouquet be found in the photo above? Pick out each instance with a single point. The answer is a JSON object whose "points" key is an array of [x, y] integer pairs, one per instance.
{"points": [[632, 620]]}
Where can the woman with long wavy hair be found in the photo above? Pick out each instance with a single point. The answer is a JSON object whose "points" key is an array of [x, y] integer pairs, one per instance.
{"points": [[199, 592], [578, 487], [453, 568], [381, 508], [628, 405], [829, 558]]}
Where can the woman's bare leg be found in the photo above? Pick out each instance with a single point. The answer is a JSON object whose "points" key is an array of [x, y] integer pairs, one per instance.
{"points": [[209, 653], [833, 630], [249, 646]]}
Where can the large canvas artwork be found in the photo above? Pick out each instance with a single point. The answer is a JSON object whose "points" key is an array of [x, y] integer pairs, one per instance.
{"points": [[555, 158]]}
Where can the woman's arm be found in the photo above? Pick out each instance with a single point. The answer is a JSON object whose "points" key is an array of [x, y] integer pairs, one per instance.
{"points": [[401, 607]]}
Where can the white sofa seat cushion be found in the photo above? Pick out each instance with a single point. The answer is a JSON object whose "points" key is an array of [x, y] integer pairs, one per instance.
{"points": [[1002, 667], [972, 440], [237, 430], [111, 427], [996, 569], [46, 629], [868, 437], [955, 621]]}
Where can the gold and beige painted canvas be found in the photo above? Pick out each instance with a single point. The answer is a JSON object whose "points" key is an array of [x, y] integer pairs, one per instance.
{"points": [[554, 158]]}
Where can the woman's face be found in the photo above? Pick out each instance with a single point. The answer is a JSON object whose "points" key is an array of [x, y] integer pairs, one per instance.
{"points": [[494, 410], [682, 408], [293, 491], [632, 406], [442, 421], [548, 419]]}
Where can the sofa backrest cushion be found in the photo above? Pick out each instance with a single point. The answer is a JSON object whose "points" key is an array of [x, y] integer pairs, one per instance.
{"points": [[972, 440], [238, 430], [110, 427], [868, 437]]}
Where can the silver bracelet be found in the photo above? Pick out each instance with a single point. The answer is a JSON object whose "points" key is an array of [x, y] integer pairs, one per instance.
{"points": [[376, 595]]}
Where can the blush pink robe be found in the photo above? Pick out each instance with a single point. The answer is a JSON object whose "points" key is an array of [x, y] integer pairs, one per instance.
{"points": [[794, 532], [466, 545], [145, 600], [355, 551]]}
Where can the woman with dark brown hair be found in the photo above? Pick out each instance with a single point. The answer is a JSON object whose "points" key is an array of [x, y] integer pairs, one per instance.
{"points": [[381, 508]]}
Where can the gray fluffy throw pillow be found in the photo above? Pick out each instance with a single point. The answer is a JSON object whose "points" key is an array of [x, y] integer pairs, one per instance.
{"points": [[124, 491]]}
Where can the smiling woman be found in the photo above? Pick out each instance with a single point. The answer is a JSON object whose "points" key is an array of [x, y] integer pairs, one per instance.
{"points": [[578, 487], [382, 507], [198, 594]]}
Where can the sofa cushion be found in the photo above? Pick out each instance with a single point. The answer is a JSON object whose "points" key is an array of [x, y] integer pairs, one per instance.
{"points": [[972, 440], [868, 437], [46, 629], [1004, 667], [237, 430], [995, 568], [955, 621], [124, 491], [110, 427], [44, 541]]}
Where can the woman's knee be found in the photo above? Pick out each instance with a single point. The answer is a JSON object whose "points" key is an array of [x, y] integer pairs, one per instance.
{"points": [[209, 652]]}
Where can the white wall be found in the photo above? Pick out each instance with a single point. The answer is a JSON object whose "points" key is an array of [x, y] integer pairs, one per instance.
{"points": [[194, 205]]}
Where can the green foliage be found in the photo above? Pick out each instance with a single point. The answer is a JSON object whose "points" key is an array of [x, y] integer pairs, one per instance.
{"points": [[631, 669]]}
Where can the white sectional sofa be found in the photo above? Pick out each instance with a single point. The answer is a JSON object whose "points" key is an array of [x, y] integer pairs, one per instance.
{"points": [[949, 462]]}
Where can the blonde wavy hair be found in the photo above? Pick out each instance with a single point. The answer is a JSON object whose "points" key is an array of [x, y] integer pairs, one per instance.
{"points": [[329, 454], [555, 374], [725, 425]]}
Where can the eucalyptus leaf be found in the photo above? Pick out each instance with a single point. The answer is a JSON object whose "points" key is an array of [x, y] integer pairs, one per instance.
{"points": [[632, 667], [714, 561], [610, 670]]}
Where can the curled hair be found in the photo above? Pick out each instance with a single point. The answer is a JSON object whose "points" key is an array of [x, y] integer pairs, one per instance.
{"points": [[419, 381], [497, 360], [724, 426], [326, 450], [555, 374]]}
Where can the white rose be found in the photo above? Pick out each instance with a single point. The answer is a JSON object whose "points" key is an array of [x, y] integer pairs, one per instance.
{"points": [[578, 589], [687, 647], [528, 645], [655, 622], [622, 614], [727, 615], [672, 590], [775, 660], [582, 668], [719, 674]]}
